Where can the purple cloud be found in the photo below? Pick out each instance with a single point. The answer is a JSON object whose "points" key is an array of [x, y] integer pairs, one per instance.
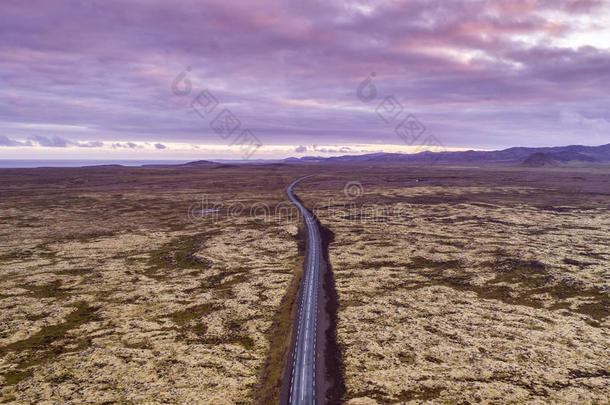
{"points": [[50, 142], [477, 73], [6, 141], [90, 144], [126, 145], [53, 142]]}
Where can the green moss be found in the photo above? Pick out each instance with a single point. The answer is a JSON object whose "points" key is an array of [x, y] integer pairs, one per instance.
{"points": [[376, 264], [218, 281], [74, 272], [406, 358], [573, 262], [51, 290], [8, 399], [432, 359], [9, 257], [376, 394], [279, 336], [36, 317], [85, 237], [183, 318], [419, 262], [42, 347], [596, 310], [61, 378], [14, 377], [528, 274], [178, 254], [191, 320], [232, 338], [422, 393]]}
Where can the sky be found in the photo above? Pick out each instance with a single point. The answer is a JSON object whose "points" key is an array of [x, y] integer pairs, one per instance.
{"points": [[192, 79]]}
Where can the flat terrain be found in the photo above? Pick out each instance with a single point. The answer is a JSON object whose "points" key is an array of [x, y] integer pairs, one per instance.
{"points": [[111, 292], [454, 285], [465, 286]]}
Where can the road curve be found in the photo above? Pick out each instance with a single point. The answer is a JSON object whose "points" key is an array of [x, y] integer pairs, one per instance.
{"points": [[303, 378]]}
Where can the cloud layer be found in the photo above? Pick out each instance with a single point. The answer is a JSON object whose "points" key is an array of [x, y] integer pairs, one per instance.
{"points": [[481, 74]]}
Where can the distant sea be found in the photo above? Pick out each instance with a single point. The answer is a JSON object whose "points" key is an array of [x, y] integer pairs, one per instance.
{"points": [[22, 164]]}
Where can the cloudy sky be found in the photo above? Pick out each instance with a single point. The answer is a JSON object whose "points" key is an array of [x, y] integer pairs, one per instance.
{"points": [[185, 79]]}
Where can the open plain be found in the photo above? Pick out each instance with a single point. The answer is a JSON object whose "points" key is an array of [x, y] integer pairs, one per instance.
{"points": [[471, 285], [115, 288], [454, 285]]}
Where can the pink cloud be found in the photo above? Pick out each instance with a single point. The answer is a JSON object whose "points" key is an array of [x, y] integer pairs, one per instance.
{"points": [[290, 69]]}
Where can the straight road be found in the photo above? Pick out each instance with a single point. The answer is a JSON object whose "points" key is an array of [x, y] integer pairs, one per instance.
{"points": [[303, 378]]}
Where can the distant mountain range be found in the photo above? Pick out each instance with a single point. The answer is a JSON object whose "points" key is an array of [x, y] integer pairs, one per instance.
{"points": [[549, 156]]}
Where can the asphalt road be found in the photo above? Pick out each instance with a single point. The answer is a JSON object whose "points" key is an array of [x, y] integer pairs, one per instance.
{"points": [[303, 379]]}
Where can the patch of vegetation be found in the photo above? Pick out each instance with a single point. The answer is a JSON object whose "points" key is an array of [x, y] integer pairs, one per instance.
{"points": [[526, 280], [233, 337], [422, 393], [8, 399], [42, 347], [453, 243], [90, 236], [432, 359], [375, 264], [527, 273], [51, 290], [376, 394], [218, 281], [280, 334], [590, 374], [573, 262], [351, 303], [419, 262], [178, 254], [36, 317], [185, 318], [223, 289], [5, 277], [597, 310], [16, 255], [61, 378], [407, 358], [74, 272]]}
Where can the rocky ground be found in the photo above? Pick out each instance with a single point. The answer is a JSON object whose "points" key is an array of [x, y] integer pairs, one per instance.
{"points": [[454, 285], [455, 294], [120, 296]]}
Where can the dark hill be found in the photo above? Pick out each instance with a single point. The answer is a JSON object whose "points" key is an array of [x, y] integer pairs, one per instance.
{"points": [[516, 155], [539, 159]]}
